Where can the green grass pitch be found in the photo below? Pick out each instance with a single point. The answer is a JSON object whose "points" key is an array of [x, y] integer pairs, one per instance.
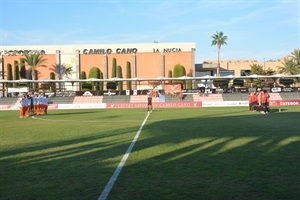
{"points": [[181, 153]]}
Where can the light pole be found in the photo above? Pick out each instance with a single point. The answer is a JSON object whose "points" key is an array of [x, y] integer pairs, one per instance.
{"points": [[264, 64]]}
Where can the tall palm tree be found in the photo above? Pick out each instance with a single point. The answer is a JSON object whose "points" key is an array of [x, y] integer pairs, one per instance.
{"points": [[34, 60], [219, 39]]}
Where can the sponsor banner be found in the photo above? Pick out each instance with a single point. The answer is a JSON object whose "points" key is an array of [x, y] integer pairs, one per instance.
{"points": [[65, 94], [81, 106], [5, 107], [9, 107], [242, 90], [284, 103], [158, 105], [155, 105], [52, 106], [172, 88], [178, 104], [20, 89], [190, 91], [17, 107], [224, 103], [276, 89], [287, 89]]}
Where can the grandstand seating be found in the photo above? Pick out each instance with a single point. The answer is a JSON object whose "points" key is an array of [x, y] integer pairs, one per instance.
{"points": [[138, 98], [275, 96], [169, 98], [116, 99], [290, 95], [8, 101], [188, 97], [209, 97], [143, 98], [61, 100], [235, 96], [88, 99]]}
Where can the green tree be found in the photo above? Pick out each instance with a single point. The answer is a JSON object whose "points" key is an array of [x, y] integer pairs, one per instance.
{"points": [[120, 75], [219, 39], [36, 85], [52, 75], [83, 75], [22, 69], [95, 73], [84, 85], [53, 85], [16, 72], [170, 75], [269, 72], [128, 74], [289, 67], [179, 71], [113, 85], [189, 84], [295, 56], [101, 83], [9, 74], [114, 68], [257, 69], [34, 60]]}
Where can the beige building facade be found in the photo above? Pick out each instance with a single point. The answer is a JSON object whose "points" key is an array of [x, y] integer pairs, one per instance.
{"points": [[147, 60], [239, 67]]}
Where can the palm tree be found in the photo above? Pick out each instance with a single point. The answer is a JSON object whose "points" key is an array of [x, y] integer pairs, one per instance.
{"points": [[289, 67], [219, 39], [295, 56], [34, 60]]}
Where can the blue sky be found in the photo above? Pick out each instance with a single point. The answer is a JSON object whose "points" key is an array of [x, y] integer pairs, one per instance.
{"points": [[257, 29]]}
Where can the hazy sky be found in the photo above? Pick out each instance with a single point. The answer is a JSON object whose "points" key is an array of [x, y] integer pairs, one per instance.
{"points": [[256, 29]]}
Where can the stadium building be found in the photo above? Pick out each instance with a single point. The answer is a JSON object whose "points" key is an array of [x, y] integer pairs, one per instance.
{"points": [[145, 60], [148, 60]]}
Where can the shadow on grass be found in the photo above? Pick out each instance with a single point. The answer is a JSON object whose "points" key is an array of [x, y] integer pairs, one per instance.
{"points": [[243, 157], [65, 169], [207, 157]]}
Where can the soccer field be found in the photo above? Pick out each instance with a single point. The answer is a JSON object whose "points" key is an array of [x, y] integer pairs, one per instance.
{"points": [[190, 153]]}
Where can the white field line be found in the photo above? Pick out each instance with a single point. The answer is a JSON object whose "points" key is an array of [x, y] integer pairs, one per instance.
{"points": [[115, 175], [87, 121]]}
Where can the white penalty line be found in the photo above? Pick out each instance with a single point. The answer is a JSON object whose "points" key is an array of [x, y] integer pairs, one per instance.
{"points": [[115, 175]]}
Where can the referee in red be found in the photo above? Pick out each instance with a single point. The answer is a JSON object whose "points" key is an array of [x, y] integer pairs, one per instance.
{"points": [[150, 107]]}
